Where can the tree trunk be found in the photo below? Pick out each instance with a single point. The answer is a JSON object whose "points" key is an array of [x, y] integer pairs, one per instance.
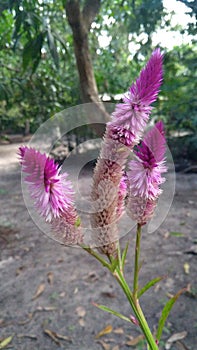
{"points": [[80, 21]]}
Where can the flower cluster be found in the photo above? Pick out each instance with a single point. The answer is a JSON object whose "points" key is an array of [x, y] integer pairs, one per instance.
{"points": [[123, 132], [52, 191]]}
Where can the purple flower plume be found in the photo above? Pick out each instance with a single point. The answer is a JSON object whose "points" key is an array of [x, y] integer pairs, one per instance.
{"points": [[130, 118], [52, 194], [145, 174], [51, 191]]}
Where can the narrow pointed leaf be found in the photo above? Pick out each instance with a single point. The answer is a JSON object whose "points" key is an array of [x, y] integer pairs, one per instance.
{"points": [[114, 264], [5, 342], [53, 48], [124, 254], [107, 309], [149, 285], [32, 52], [166, 310], [61, 40]]}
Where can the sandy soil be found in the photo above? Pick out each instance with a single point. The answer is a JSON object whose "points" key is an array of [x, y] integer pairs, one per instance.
{"points": [[46, 288]]}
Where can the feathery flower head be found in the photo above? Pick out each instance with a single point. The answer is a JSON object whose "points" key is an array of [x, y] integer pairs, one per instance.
{"points": [[129, 118], [108, 193], [51, 191], [145, 174]]}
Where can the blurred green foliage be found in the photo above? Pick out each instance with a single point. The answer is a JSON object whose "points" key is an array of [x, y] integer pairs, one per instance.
{"points": [[38, 70]]}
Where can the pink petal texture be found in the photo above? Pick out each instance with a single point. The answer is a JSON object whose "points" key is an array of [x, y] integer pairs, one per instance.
{"points": [[130, 118], [108, 193], [51, 191], [121, 195], [144, 175]]}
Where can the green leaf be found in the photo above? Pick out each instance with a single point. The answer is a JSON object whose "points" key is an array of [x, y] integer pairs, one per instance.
{"points": [[107, 309], [52, 48], [78, 222], [114, 264], [149, 285], [176, 234], [6, 341], [165, 312], [32, 52], [124, 254], [61, 40]]}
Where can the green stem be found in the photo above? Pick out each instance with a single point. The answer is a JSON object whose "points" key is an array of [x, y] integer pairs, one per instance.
{"points": [[137, 310], [97, 256], [132, 297], [119, 257], [137, 256]]}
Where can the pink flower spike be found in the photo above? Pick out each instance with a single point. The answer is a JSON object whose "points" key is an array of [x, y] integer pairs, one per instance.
{"points": [[130, 118], [145, 174], [146, 87], [51, 191]]}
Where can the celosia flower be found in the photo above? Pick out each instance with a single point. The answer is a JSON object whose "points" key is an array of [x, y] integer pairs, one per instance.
{"points": [[52, 194], [130, 118], [122, 134], [51, 191], [145, 173]]}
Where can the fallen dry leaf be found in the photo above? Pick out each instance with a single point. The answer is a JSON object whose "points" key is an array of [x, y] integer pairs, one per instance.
{"points": [[118, 331], [181, 345], [4, 343], [108, 329], [63, 337], [174, 338], [20, 270], [31, 336], [3, 323], [116, 347], [81, 322], [192, 250], [104, 345], [186, 267], [30, 316], [108, 294], [52, 335], [50, 278], [190, 292], [55, 336], [80, 310], [39, 291], [135, 340], [46, 308], [92, 277]]}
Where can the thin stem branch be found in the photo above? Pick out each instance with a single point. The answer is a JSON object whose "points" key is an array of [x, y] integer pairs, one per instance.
{"points": [[137, 310], [137, 256], [97, 256]]}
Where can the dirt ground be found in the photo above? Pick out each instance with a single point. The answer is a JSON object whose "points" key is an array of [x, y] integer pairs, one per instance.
{"points": [[47, 290]]}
